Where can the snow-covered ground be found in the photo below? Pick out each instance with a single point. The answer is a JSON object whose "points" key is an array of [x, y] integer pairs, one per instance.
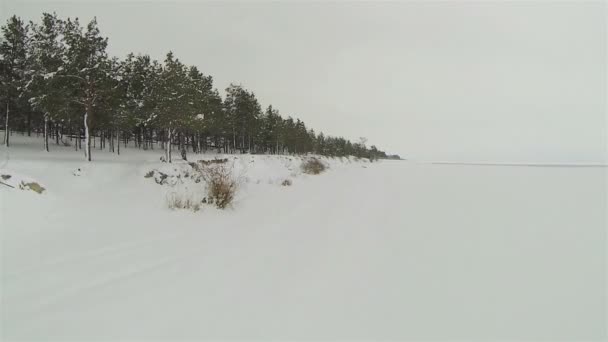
{"points": [[389, 250]]}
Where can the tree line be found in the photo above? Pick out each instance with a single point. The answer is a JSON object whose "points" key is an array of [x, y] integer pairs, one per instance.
{"points": [[57, 80]]}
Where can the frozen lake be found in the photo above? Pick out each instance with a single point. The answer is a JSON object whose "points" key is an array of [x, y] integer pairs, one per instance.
{"points": [[393, 250]]}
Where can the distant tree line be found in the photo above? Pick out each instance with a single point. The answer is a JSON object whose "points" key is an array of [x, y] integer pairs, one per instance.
{"points": [[57, 80]]}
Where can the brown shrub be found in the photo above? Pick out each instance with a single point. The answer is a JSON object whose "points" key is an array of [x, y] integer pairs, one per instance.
{"points": [[313, 166], [221, 184]]}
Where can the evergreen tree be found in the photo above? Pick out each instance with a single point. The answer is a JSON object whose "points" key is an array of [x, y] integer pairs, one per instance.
{"points": [[172, 100], [45, 61], [56, 74], [86, 65], [13, 57]]}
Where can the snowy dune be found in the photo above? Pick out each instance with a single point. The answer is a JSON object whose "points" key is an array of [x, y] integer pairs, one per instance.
{"points": [[392, 250]]}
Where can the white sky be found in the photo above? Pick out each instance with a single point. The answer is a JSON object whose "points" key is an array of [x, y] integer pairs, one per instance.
{"points": [[486, 81]]}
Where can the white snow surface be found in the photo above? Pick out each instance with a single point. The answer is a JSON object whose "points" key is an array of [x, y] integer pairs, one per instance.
{"points": [[393, 250]]}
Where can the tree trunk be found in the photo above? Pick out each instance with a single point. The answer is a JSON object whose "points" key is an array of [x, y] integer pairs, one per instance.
{"points": [[139, 134], [29, 123], [118, 141], [6, 130], [234, 137], [46, 132], [150, 140], [168, 146], [87, 137], [242, 142], [183, 144]]}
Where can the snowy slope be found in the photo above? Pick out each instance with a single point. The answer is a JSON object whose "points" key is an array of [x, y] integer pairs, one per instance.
{"points": [[393, 250]]}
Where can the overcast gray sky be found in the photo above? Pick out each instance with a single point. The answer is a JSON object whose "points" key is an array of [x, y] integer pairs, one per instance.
{"points": [[494, 81]]}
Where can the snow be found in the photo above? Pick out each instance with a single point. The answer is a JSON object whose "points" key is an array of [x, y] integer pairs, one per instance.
{"points": [[49, 75], [384, 251]]}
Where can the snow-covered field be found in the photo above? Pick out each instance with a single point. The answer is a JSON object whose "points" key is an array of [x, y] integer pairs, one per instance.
{"points": [[389, 250]]}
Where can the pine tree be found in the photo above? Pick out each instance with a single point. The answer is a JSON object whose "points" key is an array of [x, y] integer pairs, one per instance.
{"points": [[172, 100], [13, 54], [44, 62], [86, 65], [141, 75], [64, 71]]}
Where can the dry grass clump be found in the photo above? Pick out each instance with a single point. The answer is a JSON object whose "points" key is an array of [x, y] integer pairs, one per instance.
{"points": [[221, 184], [182, 201], [313, 166], [32, 186], [213, 161]]}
